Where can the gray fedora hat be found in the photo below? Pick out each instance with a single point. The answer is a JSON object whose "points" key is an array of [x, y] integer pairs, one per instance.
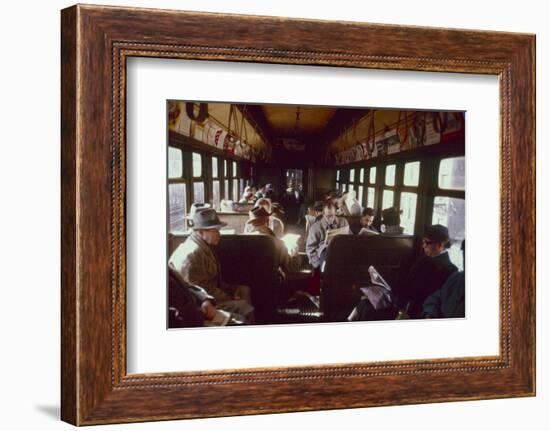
{"points": [[207, 218]]}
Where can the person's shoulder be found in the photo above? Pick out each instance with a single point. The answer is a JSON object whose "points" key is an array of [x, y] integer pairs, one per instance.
{"points": [[342, 221]]}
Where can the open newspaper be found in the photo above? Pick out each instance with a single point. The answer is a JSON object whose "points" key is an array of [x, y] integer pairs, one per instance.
{"points": [[331, 233], [379, 292], [221, 318]]}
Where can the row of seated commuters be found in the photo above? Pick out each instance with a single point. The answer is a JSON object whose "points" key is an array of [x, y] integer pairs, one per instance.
{"points": [[238, 216], [240, 272], [429, 286], [326, 219]]}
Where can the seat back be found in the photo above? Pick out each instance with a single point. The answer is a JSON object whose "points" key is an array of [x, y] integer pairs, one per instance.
{"points": [[234, 220], [348, 260], [354, 223]]}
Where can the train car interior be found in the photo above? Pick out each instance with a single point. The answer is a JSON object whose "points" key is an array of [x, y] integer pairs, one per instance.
{"points": [[314, 214]]}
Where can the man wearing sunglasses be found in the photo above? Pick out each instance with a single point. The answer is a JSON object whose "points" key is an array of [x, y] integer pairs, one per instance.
{"points": [[430, 271]]}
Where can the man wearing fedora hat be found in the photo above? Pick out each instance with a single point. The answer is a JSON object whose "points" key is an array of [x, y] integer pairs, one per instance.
{"points": [[198, 264], [430, 271], [258, 223]]}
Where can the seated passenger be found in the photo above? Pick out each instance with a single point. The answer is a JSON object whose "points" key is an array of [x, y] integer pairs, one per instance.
{"points": [[188, 305], [191, 306], [449, 300], [248, 196], [430, 271], [350, 205], [317, 243], [197, 263], [391, 220], [275, 223], [367, 217], [259, 224]]}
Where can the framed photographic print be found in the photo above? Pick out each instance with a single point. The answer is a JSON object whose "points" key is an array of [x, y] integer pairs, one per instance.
{"points": [[281, 206]]}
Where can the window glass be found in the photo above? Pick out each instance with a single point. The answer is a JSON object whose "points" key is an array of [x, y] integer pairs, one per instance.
{"points": [[175, 163], [197, 165], [452, 173], [226, 189], [214, 167], [360, 195], [198, 192], [362, 175], [390, 175], [236, 190], [352, 175], [178, 206], [450, 212], [408, 215], [338, 175], [234, 169], [216, 194], [225, 168], [337, 186], [387, 199], [351, 187], [411, 174], [370, 197], [372, 175]]}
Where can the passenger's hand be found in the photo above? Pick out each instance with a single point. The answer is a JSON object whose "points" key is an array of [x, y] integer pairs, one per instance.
{"points": [[208, 309]]}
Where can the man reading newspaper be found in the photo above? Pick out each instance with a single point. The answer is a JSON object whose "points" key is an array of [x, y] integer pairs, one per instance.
{"points": [[377, 302], [321, 232]]}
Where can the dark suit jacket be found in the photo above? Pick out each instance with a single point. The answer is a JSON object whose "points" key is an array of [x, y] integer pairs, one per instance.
{"points": [[184, 302], [425, 277]]}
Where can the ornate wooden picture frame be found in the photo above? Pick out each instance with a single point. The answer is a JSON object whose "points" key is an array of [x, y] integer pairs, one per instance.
{"points": [[96, 42]]}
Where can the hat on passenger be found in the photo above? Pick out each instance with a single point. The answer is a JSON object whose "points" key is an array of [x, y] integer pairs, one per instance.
{"points": [[207, 218], [258, 217], [318, 206], [437, 232], [258, 212]]}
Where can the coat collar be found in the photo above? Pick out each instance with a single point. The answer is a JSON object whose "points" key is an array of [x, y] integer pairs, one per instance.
{"points": [[203, 246]]}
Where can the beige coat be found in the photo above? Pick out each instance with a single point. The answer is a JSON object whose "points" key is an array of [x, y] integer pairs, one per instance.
{"points": [[196, 262]]}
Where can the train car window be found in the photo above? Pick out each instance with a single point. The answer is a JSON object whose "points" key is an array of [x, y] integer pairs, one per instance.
{"points": [[226, 189], [225, 168], [411, 174], [214, 167], [387, 199], [338, 175], [351, 187], [372, 175], [408, 215], [234, 169], [178, 206], [360, 195], [352, 175], [450, 212], [175, 162], [216, 194], [362, 175], [390, 175], [235, 190], [197, 165], [198, 192], [452, 173], [370, 197], [337, 186], [215, 183]]}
